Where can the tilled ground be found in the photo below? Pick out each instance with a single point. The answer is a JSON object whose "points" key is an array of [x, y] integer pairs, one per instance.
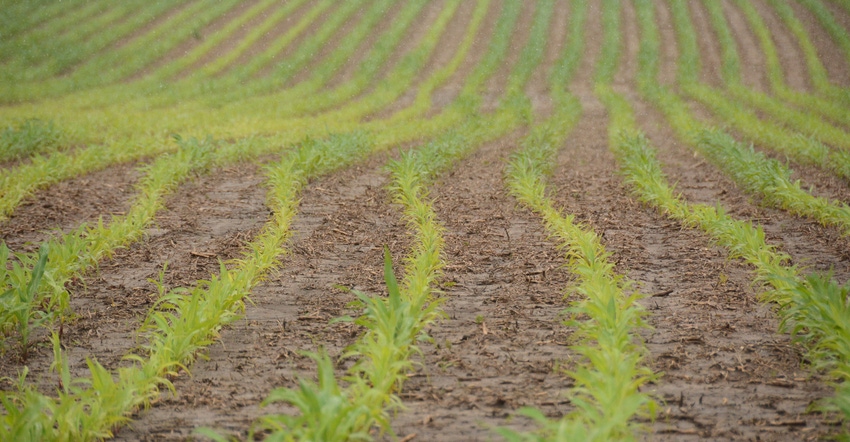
{"points": [[726, 374]]}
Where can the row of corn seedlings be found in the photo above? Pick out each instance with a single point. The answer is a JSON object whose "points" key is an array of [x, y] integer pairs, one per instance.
{"points": [[29, 137], [330, 411], [79, 250], [180, 325], [72, 254], [817, 72], [333, 154], [812, 308], [805, 147], [334, 412], [839, 34], [312, 159], [788, 116], [22, 181], [750, 169], [114, 65], [823, 106], [18, 18], [58, 53], [607, 392]]}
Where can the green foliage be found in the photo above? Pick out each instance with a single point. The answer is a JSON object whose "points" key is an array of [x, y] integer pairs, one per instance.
{"points": [[751, 170], [19, 304], [33, 136], [835, 111]]}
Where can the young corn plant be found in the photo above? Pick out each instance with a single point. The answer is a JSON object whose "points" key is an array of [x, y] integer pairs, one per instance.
{"points": [[20, 304], [331, 412], [607, 392], [393, 325], [72, 254]]}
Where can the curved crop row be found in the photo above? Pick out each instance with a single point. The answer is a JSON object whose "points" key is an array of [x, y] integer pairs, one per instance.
{"points": [[813, 308], [751, 170], [79, 401], [607, 392], [823, 106]]}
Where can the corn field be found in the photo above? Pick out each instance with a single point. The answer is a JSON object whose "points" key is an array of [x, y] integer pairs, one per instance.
{"points": [[546, 220]]}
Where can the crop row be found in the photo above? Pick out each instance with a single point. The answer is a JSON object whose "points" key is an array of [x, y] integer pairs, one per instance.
{"points": [[319, 129], [77, 251], [812, 308], [179, 320]]}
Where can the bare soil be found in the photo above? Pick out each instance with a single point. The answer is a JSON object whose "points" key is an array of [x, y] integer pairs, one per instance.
{"points": [[65, 205]]}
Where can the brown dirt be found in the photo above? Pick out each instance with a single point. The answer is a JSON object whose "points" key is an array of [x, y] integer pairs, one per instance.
{"points": [[727, 373], [152, 24], [67, 204], [841, 14], [495, 86], [413, 36], [205, 221], [669, 49], [709, 47], [538, 85], [500, 347], [330, 45], [339, 233], [233, 39], [293, 45], [450, 90]]}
